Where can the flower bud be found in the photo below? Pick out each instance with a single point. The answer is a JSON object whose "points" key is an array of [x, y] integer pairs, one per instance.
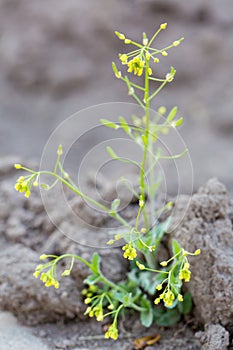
{"points": [[18, 166], [163, 26]]}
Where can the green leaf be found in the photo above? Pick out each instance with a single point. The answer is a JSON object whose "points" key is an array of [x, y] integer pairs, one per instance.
{"points": [[125, 125], [178, 122], [132, 276], [95, 263], [176, 248], [186, 305], [144, 280], [169, 318], [91, 279], [115, 70], [118, 296], [109, 124], [146, 316], [172, 114]]}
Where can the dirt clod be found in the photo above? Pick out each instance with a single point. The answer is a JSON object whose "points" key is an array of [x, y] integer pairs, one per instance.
{"points": [[215, 337], [207, 225]]}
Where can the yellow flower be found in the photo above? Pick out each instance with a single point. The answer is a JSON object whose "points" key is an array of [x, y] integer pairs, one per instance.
{"points": [[127, 41], [180, 297], [156, 60], [124, 58], [88, 310], [176, 43], [18, 166], [27, 194], [168, 298], [43, 257], [87, 301], [149, 71], [93, 288], [120, 35], [129, 252], [185, 275], [147, 56], [159, 287], [111, 307], [164, 53], [140, 266], [136, 65], [36, 274], [197, 252], [163, 263], [49, 280], [141, 203], [24, 185], [111, 241], [157, 301], [112, 332]]}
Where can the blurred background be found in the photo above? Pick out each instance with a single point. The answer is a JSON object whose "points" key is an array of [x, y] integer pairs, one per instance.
{"points": [[55, 59]]}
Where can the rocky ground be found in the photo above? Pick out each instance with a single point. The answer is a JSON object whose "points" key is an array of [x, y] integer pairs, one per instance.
{"points": [[55, 60], [55, 318]]}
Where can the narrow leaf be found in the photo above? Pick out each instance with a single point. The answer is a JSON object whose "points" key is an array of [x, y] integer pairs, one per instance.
{"points": [[125, 125], [109, 124], [178, 122], [172, 114]]}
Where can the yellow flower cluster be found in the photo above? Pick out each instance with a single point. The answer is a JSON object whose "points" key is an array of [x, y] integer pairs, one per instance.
{"points": [[112, 332], [129, 252], [96, 311], [47, 277], [23, 186], [185, 273], [167, 296], [136, 65], [49, 280]]}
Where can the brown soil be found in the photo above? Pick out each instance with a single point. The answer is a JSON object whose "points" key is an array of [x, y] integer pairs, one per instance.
{"points": [[57, 315]]}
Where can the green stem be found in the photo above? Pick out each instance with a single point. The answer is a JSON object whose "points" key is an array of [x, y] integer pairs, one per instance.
{"points": [[147, 128], [82, 195], [154, 36], [111, 284], [137, 308], [77, 257], [158, 90]]}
